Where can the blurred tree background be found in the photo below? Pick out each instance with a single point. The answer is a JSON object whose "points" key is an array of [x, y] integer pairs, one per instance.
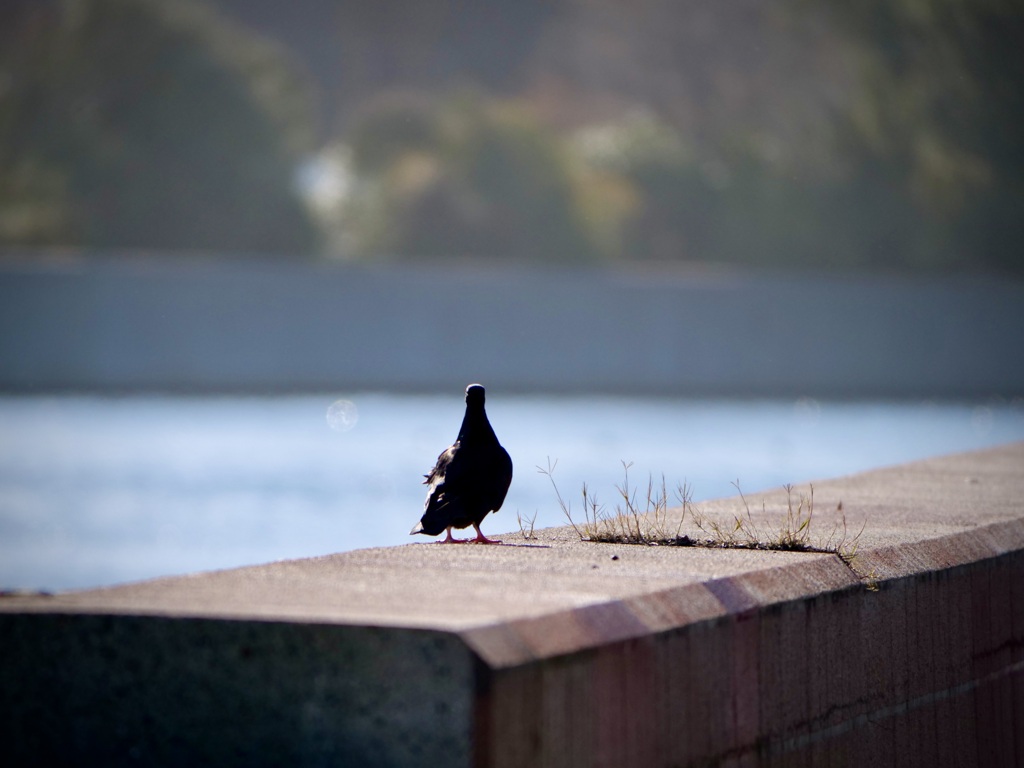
{"points": [[140, 124], [795, 134]]}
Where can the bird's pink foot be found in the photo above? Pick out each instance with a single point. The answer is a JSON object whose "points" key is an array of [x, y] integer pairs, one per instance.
{"points": [[481, 539], [452, 540]]}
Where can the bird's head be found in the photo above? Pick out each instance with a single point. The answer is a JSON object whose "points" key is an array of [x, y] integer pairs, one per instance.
{"points": [[475, 394]]}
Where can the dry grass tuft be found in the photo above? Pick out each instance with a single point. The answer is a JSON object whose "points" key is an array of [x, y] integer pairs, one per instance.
{"points": [[645, 518]]}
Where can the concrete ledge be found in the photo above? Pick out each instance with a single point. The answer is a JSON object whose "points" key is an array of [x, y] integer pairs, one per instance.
{"points": [[558, 652]]}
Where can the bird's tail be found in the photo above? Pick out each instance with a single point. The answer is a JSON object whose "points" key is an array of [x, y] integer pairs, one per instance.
{"points": [[438, 516]]}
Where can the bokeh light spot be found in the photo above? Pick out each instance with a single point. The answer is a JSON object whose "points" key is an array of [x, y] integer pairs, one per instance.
{"points": [[342, 415]]}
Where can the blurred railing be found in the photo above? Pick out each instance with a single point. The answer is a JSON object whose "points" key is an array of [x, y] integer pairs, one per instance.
{"points": [[149, 323]]}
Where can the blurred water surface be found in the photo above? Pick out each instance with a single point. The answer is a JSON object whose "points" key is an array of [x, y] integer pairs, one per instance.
{"points": [[95, 491]]}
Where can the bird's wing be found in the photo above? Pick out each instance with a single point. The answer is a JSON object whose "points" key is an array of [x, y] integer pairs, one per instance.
{"points": [[502, 479], [448, 477], [444, 502], [443, 469]]}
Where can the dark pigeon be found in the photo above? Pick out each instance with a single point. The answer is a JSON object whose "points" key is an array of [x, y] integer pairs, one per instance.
{"points": [[470, 479]]}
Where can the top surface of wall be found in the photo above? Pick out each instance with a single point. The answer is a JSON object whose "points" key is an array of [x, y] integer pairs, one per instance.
{"points": [[554, 594]]}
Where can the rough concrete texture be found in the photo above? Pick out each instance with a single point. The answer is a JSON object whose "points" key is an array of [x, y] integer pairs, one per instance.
{"points": [[553, 651]]}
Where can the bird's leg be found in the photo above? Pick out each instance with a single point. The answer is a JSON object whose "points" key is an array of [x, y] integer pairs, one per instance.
{"points": [[452, 540], [481, 539]]}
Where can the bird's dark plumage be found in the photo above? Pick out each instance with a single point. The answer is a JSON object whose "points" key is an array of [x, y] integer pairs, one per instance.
{"points": [[470, 479]]}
